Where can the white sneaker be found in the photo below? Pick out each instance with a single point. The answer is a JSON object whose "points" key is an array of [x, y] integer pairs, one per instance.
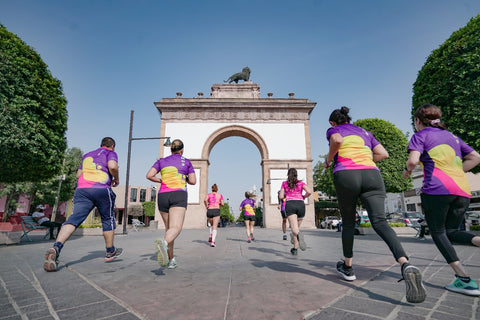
{"points": [[172, 264]]}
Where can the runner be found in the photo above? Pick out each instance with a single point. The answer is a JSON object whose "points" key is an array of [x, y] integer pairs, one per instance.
{"points": [[445, 193], [248, 207], [281, 207], [213, 201], [176, 171], [292, 191], [355, 175]]}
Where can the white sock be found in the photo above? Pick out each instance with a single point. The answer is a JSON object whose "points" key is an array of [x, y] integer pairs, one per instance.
{"points": [[210, 231], [214, 235]]}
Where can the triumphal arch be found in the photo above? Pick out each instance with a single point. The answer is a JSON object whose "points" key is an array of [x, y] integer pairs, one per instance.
{"points": [[279, 128]]}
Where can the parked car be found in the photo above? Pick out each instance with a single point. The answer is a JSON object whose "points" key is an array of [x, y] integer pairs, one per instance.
{"points": [[472, 218], [363, 217], [410, 218], [329, 222]]}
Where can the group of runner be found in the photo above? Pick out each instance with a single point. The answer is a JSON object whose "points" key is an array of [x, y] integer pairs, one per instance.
{"points": [[353, 151]]}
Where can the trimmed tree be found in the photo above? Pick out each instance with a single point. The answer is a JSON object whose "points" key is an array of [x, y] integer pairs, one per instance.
{"points": [[450, 79], [33, 118]]}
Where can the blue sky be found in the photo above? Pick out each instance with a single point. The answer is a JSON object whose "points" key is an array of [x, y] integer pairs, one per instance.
{"points": [[115, 56]]}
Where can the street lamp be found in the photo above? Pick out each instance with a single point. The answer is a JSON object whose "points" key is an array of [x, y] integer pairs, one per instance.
{"points": [[127, 179]]}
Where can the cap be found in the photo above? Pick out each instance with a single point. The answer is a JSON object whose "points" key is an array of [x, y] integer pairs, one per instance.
{"points": [[41, 207]]}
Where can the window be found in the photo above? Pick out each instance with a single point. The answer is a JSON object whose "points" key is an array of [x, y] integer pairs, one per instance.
{"points": [[133, 195], [143, 195], [153, 195], [411, 207]]}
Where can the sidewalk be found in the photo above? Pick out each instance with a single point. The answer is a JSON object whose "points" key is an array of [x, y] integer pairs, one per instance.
{"points": [[235, 280]]}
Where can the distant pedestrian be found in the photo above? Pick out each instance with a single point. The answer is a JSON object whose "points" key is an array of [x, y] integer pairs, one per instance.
{"points": [[355, 175], [213, 201], [281, 207], [248, 207], [96, 174], [40, 217], [445, 192], [292, 190], [175, 171]]}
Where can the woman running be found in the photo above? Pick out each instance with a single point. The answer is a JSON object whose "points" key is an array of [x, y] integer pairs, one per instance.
{"points": [[445, 192], [248, 207], [281, 207], [213, 201], [175, 171], [292, 191], [355, 175]]}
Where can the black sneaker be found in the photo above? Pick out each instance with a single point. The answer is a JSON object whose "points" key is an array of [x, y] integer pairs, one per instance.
{"points": [[294, 251], [51, 263], [346, 272], [109, 256], [413, 279], [252, 237]]}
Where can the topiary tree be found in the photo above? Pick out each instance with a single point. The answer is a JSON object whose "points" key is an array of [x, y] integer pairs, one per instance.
{"points": [[396, 143], [225, 213], [149, 208], [450, 79], [33, 114]]}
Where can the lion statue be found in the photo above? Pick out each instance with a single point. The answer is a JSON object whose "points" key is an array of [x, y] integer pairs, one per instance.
{"points": [[244, 75]]}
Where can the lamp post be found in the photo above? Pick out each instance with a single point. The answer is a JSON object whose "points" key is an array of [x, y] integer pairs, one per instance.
{"points": [[127, 179]]}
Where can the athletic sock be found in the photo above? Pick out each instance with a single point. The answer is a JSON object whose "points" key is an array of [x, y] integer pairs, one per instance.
{"points": [[214, 235], [59, 246], [464, 279], [111, 249]]}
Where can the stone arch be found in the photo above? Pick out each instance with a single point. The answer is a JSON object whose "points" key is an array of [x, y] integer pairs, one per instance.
{"points": [[278, 127], [235, 131]]}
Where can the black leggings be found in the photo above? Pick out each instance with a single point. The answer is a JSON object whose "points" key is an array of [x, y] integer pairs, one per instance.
{"points": [[444, 214], [368, 186]]}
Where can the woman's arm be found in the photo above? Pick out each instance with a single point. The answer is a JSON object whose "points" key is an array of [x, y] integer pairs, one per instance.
{"points": [[471, 160], [413, 159], [151, 175], [192, 179], [336, 141], [379, 153], [307, 191]]}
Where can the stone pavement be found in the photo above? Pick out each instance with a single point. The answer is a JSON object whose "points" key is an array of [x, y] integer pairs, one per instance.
{"points": [[235, 280]]}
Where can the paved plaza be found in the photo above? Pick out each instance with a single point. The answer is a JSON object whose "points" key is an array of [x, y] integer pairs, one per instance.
{"points": [[235, 280]]}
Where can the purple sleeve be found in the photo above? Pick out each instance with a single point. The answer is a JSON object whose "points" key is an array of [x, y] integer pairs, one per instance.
{"points": [[373, 141], [190, 167], [466, 149], [416, 143], [330, 132], [112, 156], [157, 166]]}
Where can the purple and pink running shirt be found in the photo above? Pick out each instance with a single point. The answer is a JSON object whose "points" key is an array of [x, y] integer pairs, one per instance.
{"points": [[214, 200], [174, 170], [94, 168], [441, 156], [295, 194], [356, 150], [248, 206]]}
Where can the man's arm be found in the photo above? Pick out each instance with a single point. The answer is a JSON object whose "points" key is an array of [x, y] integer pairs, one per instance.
{"points": [[113, 169]]}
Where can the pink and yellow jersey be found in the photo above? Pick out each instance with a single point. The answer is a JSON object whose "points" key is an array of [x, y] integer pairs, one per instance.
{"points": [[174, 170], [248, 206], [94, 168], [356, 150], [214, 199], [441, 155]]}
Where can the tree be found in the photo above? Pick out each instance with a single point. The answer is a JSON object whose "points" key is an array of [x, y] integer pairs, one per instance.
{"points": [[45, 192], [450, 79], [149, 208], [396, 143], [225, 212], [323, 178], [33, 114]]}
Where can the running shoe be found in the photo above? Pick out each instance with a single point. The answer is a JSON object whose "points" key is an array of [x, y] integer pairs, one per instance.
{"points": [[284, 237], [162, 248], [109, 256], [210, 239], [212, 244], [347, 273], [172, 264], [252, 237], [51, 263], [413, 279], [468, 288], [301, 242], [294, 251], [249, 240]]}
